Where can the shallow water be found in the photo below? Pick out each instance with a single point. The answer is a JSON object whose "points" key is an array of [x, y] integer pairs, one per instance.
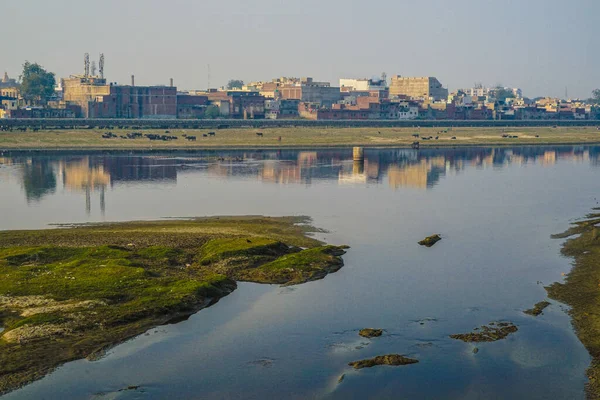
{"points": [[495, 208]]}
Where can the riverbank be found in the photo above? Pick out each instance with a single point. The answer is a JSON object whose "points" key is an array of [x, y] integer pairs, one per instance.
{"points": [[580, 291], [73, 292], [293, 137]]}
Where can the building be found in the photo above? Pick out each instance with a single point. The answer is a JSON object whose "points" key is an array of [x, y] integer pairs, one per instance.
{"points": [[237, 103], [281, 108], [99, 99], [361, 85], [309, 91], [9, 87], [417, 88], [190, 106]]}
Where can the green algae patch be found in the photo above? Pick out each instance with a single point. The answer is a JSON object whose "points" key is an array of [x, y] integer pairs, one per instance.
{"points": [[492, 332], [370, 332], [430, 240], [297, 267], [581, 291], [73, 292], [390, 359], [537, 309]]}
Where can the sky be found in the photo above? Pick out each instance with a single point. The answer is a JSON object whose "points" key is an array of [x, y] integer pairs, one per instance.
{"points": [[545, 47]]}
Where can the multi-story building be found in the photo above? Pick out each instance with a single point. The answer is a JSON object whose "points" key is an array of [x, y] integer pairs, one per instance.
{"points": [[99, 99], [418, 88], [241, 104], [361, 85], [190, 106], [9, 87], [309, 91], [281, 108]]}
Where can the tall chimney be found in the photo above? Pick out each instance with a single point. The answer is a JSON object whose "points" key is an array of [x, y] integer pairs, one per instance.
{"points": [[171, 82], [132, 80]]}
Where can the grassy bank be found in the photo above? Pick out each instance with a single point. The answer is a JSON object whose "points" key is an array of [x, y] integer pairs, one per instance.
{"points": [[70, 293], [298, 137], [581, 291]]}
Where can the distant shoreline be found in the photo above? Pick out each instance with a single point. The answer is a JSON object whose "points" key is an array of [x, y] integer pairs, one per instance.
{"points": [[308, 138]]}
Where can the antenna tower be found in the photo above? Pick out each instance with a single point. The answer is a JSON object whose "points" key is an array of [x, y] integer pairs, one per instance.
{"points": [[208, 88], [86, 62], [101, 66]]}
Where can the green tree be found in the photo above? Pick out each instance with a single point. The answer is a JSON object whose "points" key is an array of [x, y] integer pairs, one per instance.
{"points": [[501, 94], [212, 112], [595, 96], [37, 84], [235, 84]]}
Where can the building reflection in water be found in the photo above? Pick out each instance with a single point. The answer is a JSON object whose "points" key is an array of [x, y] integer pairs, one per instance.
{"points": [[83, 176], [400, 168]]}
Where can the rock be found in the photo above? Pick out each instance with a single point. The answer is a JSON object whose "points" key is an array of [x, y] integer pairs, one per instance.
{"points": [[430, 240], [341, 378], [537, 309], [370, 332], [490, 333], [475, 350], [390, 359]]}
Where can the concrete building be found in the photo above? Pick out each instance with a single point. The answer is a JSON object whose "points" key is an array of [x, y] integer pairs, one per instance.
{"points": [[281, 108], [361, 85], [190, 106], [309, 91], [99, 99], [418, 88], [9, 87], [238, 104]]}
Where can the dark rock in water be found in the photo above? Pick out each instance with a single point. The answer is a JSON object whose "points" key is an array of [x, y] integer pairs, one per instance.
{"points": [[537, 309], [475, 350], [490, 333], [390, 359], [370, 332], [430, 240], [341, 378]]}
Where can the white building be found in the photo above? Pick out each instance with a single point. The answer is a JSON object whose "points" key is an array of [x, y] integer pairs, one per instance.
{"points": [[361, 85]]}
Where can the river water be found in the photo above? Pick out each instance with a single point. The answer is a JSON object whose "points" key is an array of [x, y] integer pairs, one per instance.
{"points": [[495, 208]]}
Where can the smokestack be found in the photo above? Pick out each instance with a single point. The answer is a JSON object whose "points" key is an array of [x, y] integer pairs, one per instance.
{"points": [[171, 82], [132, 80]]}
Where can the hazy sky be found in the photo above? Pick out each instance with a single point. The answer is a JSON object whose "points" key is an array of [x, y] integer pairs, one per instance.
{"points": [[541, 46]]}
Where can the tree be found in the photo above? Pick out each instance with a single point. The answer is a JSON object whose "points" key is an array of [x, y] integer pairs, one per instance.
{"points": [[501, 94], [235, 84], [595, 96], [212, 112], [37, 84]]}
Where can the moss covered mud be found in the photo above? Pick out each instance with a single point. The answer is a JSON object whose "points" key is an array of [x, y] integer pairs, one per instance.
{"points": [[72, 292], [581, 290]]}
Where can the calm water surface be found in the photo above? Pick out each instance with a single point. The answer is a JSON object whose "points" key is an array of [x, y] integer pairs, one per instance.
{"points": [[496, 209]]}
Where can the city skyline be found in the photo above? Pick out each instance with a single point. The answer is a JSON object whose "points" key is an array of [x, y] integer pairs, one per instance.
{"points": [[513, 44]]}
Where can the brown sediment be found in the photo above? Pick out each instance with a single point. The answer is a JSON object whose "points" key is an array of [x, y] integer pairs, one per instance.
{"points": [[390, 359], [370, 332], [488, 333], [430, 240], [537, 309], [581, 291]]}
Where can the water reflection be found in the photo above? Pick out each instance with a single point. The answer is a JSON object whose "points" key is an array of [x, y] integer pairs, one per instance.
{"points": [[95, 174]]}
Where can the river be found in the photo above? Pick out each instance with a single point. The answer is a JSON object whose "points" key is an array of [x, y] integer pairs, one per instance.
{"points": [[494, 207]]}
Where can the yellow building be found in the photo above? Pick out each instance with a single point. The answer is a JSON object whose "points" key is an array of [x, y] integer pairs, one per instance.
{"points": [[418, 88], [9, 87]]}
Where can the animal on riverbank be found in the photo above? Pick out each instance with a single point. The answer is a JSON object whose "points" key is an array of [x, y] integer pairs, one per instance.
{"points": [[259, 134], [211, 133], [191, 138]]}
